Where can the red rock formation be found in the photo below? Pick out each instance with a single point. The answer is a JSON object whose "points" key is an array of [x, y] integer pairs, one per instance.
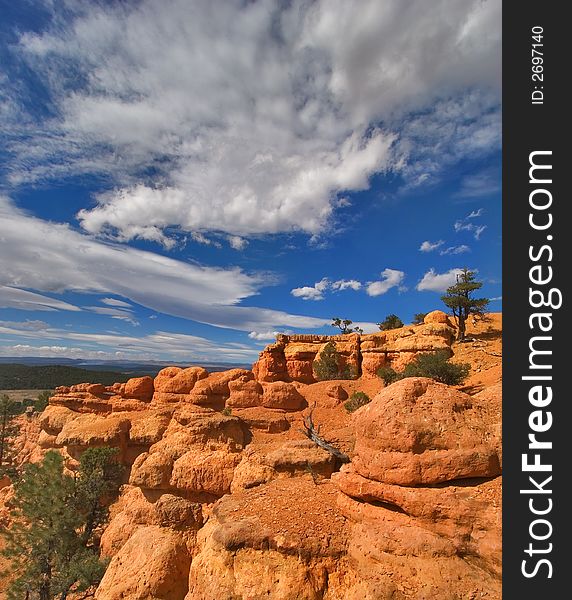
{"points": [[423, 494], [218, 503], [291, 357]]}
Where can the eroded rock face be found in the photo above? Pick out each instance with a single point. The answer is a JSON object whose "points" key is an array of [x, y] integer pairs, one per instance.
{"points": [[291, 357], [195, 457], [153, 564], [244, 546], [172, 384]]}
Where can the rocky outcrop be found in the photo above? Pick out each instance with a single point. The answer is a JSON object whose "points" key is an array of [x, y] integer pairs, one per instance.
{"points": [[291, 357], [423, 492], [225, 498], [195, 457]]}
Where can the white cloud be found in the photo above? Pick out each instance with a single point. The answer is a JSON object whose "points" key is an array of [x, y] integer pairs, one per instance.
{"points": [[28, 325], [315, 292], [390, 278], [475, 213], [476, 185], [239, 143], [263, 335], [437, 282], [114, 313], [455, 250], [51, 257], [476, 230], [12, 297], [428, 246], [115, 302], [159, 345], [237, 242], [346, 284], [198, 237]]}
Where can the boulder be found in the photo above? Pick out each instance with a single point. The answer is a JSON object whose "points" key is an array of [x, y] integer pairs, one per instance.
{"points": [[282, 395], [245, 392], [419, 432], [437, 316], [139, 388]]}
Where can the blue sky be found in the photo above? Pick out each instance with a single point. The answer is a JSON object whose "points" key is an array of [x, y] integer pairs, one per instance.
{"points": [[180, 181]]}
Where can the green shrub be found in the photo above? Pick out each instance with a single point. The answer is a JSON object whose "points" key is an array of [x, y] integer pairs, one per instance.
{"points": [[419, 318], [329, 365], [435, 365], [356, 400], [388, 375], [227, 411], [390, 322]]}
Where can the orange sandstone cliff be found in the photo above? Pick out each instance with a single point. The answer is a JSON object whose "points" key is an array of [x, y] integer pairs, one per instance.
{"points": [[225, 498]]}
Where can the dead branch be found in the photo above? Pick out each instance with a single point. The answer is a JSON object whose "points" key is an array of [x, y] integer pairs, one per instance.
{"points": [[313, 434]]}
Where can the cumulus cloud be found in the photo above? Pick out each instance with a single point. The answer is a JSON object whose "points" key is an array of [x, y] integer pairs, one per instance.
{"points": [[390, 278], [53, 258], [428, 246], [438, 282], [263, 335], [234, 142], [200, 238], [237, 243], [346, 284], [315, 292]]}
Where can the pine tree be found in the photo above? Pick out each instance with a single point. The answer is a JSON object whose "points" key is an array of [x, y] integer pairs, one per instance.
{"points": [[328, 365], [52, 543], [344, 325], [390, 322], [8, 429], [459, 298]]}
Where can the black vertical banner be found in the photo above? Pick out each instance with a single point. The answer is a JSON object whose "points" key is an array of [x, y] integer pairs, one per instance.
{"points": [[537, 264]]}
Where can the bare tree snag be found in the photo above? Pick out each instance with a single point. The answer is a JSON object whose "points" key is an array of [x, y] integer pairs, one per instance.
{"points": [[313, 434]]}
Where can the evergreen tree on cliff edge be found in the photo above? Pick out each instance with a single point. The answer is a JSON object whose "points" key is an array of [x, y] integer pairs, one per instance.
{"points": [[459, 298]]}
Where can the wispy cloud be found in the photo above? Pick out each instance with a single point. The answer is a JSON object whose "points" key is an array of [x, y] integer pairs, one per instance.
{"points": [[466, 224], [51, 257], [13, 297], [455, 250], [161, 344], [116, 302]]}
